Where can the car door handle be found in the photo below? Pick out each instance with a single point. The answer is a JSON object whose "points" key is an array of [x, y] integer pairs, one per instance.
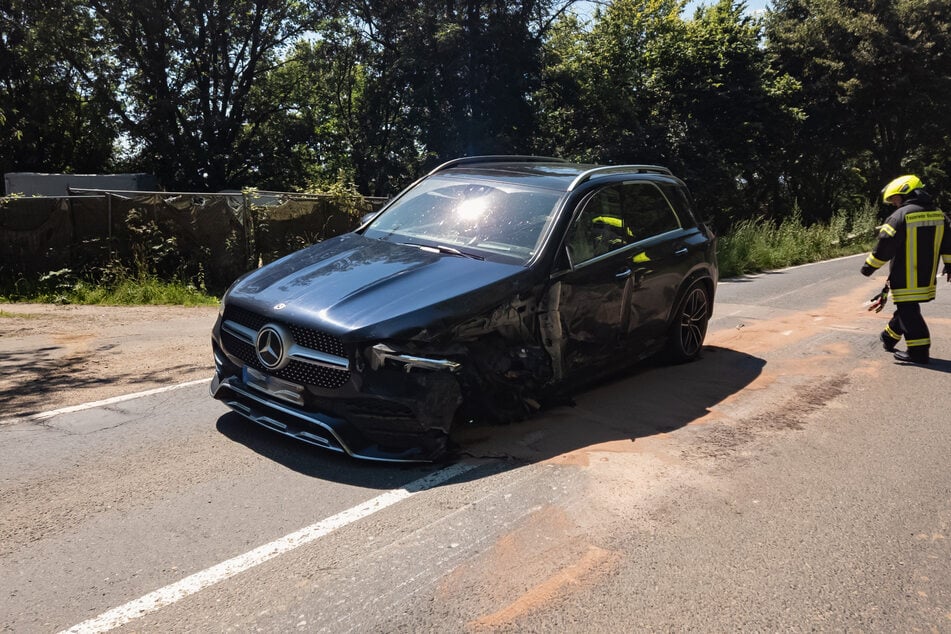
{"points": [[623, 274], [682, 251]]}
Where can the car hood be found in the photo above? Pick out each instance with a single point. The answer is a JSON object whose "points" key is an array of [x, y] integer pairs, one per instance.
{"points": [[360, 288]]}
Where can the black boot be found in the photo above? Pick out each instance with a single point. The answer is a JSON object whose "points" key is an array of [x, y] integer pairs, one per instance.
{"points": [[918, 354], [888, 342]]}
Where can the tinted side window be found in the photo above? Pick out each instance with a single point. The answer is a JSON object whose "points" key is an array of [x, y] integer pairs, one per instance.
{"points": [[599, 227], [679, 197], [616, 216], [647, 211]]}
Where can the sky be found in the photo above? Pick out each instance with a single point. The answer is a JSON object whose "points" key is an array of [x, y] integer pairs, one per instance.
{"points": [[752, 6], [756, 5]]}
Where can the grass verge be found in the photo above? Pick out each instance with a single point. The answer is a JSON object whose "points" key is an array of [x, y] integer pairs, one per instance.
{"points": [[759, 245], [139, 291]]}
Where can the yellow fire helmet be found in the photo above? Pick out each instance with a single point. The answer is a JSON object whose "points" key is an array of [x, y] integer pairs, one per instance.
{"points": [[902, 185]]}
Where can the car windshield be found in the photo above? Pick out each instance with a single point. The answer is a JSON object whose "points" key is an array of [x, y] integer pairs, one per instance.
{"points": [[488, 216]]}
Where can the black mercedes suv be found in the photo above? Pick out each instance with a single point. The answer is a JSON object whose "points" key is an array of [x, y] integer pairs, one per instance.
{"points": [[483, 289]]}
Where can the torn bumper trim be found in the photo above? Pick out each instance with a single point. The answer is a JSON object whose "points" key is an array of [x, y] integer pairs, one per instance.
{"points": [[380, 354]]}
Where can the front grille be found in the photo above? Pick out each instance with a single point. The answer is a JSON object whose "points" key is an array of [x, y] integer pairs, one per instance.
{"points": [[244, 317], [317, 340], [378, 409], [295, 371]]}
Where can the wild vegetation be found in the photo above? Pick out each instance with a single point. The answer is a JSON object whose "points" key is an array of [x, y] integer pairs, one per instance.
{"points": [[779, 122], [753, 245], [758, 244], [62, 287]]}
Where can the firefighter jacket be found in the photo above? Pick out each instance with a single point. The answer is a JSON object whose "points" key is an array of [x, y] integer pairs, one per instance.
{"points": [[913, 240]]}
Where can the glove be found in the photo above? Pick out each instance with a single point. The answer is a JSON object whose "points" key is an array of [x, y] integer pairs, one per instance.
{"points": [[877, 303], [867, 269]]}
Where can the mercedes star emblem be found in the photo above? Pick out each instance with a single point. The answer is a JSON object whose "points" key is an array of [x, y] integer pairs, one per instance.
{"points": [[271, 347]]}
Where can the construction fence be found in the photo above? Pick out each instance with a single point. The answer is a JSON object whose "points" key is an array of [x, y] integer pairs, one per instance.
{"points": [[205, 238]]}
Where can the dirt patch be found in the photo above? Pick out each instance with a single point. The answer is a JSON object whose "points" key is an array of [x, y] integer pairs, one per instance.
{"points": [[57, 356], [594, 563], [546, 557]]}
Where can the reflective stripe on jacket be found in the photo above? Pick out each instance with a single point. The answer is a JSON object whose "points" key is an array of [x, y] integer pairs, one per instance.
{"points": [[913, 239]]}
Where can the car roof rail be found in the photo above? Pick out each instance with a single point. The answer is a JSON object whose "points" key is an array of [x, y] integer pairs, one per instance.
{"points": [[610, 169], [497, 158]]}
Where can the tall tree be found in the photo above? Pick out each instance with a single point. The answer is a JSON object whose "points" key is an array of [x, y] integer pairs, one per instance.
{"points": [[486, 62], [645, 85], [726, 113], [564, 89], [441, 79], [315, 97], [49, 122], [185, 71], [876, 77], [613, 77]]}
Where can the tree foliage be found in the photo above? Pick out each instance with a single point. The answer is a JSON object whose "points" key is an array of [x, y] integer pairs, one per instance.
{"points": [[48, 120], [876, 78], [644, 85], [805, 110], [727, 111], [184, 72], [605, 78], [435, 80]]}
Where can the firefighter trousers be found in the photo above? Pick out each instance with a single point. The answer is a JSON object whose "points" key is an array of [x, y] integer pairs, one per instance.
{"points": [[907, 322]]}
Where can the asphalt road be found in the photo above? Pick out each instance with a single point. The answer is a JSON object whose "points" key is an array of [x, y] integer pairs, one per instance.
{"points": [[795, 478]]}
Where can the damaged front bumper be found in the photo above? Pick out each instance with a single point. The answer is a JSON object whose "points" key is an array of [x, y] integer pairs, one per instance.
{"points": [[384, 413], [312, 428]]}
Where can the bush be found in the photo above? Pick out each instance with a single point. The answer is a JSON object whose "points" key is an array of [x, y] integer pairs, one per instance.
{"points": [[759, 244], [119, 288]]}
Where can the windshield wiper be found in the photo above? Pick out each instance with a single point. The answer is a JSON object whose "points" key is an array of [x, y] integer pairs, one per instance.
{"points": [[453, 251], [442, 248]]}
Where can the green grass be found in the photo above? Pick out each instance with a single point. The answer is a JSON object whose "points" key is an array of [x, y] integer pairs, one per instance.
{"points": [[760, 245], [142, 291]]}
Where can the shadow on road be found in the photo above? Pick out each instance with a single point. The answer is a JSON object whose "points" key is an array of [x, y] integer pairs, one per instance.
{"points": [[30, 379], [651, 399], [937, 365], [648, 400]]}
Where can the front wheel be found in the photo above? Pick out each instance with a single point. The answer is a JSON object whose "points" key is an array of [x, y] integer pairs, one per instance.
{"points": [[689, 326]]}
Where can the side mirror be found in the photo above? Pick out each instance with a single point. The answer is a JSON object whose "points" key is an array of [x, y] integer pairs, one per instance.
{"points": [[367, 217]]}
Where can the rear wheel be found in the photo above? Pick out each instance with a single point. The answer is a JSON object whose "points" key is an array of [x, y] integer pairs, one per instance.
{"points": [[689, 327]]}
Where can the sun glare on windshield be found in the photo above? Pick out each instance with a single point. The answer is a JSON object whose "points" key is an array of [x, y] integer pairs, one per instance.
{"points": [[500, 220], [472, 209]]}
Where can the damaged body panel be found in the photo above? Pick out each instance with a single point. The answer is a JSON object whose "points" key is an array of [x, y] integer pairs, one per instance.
{"points": [[481, 289]]}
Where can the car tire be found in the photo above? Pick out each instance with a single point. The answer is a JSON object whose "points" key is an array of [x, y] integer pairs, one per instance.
{"points": [[689, 326]]}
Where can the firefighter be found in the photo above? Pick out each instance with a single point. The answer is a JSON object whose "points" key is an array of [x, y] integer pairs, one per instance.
{"points": [[911, 240]]}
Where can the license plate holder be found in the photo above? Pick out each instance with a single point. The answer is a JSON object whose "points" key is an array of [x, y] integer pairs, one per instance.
{"points": [[278, 388]]}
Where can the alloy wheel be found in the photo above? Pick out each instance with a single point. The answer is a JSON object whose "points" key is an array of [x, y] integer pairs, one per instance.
{"points": [[693, 322]]}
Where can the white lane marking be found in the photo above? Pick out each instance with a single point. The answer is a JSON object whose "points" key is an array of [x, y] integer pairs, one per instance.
{"points": [[226, 569], [102, 403]]}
